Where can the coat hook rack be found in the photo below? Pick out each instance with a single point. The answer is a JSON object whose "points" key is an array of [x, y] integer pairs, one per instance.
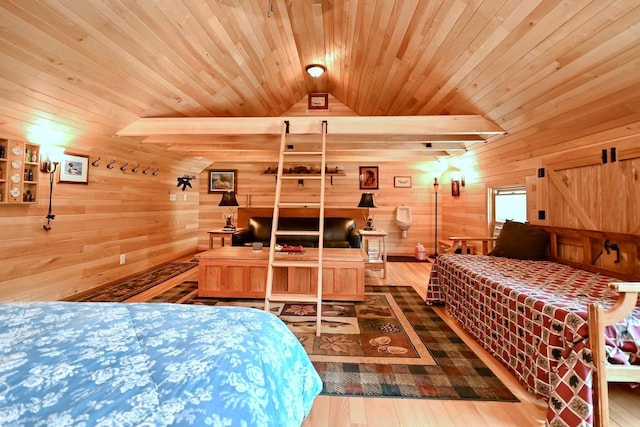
{"points": [[155, 172], [95, 162], [110, 164], [146, 170], [135, 169], [123, 168]]}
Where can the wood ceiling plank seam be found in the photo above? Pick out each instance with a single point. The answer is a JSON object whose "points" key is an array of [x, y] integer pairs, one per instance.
{"points": [[56, 94], [351, 49], [511, 49], [382, 21], [330, 57], [490, 36], [426, 60], [553, 72], [241, 83], [139, 41], [387, 63], [596, 62], [200, 13], [356, 61], [454, 50], [225, 69], [108, 45], [263, 59], [318, 32], [576, 89], [42, 53], [409, 50], [518, 71], [282, 36], [339, 79], [369, 39]]}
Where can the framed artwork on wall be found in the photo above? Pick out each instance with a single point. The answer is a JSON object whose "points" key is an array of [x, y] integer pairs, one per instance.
{"points": [[74, 169], [402, 181], [318, 101], [368, 177], [221, 181]]}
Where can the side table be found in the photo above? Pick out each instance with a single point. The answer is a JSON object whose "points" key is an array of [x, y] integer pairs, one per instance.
{"points": [[222, 233], [381, 237]]}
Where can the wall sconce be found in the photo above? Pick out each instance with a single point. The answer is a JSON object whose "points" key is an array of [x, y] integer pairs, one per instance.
{"points": [[228, 199], [367, 201], [49, 161], [457, 181], [315, 70]]}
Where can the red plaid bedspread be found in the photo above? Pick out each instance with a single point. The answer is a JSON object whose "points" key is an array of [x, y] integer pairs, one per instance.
{"points": [[532, 316]]}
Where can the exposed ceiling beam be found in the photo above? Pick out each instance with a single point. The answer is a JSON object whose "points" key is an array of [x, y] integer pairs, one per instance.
{"points": [[343, 125]]}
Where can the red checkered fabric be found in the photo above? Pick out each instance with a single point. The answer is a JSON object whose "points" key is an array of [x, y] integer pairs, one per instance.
{"points": [[532, 316]]}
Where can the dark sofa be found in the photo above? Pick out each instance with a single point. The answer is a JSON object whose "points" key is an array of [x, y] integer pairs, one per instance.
{"points": [[338, 232]]}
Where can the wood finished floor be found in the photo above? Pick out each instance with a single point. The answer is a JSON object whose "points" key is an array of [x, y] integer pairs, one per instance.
{"points": [[330, 411]]}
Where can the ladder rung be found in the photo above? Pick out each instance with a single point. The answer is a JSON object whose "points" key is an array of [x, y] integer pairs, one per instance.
{"points": [[303, 153], [302, 176], [293, 298], [299, 205], [297, 232], [292, 263]]}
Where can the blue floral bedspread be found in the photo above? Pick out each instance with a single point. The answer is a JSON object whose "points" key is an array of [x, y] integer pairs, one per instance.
{"points": [[105, 364]]}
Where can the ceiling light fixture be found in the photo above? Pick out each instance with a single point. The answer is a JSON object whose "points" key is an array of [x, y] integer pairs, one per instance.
{"points": [[315, 70]]}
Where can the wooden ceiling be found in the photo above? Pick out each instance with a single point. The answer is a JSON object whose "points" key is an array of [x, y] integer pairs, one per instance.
{"points": [[90, 69]]}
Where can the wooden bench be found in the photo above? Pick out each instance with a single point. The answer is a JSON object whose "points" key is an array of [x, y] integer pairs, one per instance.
{"points": [[454, 243]]}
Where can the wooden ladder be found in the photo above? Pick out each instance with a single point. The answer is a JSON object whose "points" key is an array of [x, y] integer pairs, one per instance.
{"points": [[288, 157]]}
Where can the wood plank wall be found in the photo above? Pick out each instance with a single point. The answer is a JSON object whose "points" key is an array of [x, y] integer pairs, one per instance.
{"points": [[132, 214], [256, 189], [116, 213]]}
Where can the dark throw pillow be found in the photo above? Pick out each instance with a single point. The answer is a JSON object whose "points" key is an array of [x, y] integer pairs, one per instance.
{"points": [[521, 241]]}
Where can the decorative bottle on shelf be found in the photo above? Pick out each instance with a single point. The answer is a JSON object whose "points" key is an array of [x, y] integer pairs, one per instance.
{"points": [[30, 175], [34, 156], [1, 151]]}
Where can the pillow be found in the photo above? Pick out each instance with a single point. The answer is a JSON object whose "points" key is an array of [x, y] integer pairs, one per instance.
{"points": [[521, 241]]}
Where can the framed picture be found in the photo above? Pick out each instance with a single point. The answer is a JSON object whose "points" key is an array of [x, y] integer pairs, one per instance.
{"points": [[368, 177], [74, 169], [318, 101], [223, 180], [402, 181]]}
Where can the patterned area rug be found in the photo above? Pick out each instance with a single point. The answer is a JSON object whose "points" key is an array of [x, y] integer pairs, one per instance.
{"points": [[392, 344], [131, 286]]}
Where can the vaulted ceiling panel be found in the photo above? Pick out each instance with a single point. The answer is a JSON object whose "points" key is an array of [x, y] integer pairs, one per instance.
{"points": [[89, 69]]}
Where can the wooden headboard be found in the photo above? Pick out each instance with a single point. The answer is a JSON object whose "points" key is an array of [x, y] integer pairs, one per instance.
{"points": [[609, 253]]}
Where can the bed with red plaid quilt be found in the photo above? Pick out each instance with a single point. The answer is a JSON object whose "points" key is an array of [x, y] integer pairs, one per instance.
{"points": [[532, 316]]}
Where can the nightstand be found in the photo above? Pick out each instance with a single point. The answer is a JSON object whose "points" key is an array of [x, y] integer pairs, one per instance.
{"points": [[375, 255], [222, 233]]}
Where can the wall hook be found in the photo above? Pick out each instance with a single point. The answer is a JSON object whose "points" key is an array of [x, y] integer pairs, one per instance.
{"points": [[155, 172], [135, 169], [95, 162], [123, 168], [110, 164], [612, 247], [146, 170]]}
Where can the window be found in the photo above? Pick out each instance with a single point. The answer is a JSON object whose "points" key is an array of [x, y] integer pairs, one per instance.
{"points": [[508, 203]]}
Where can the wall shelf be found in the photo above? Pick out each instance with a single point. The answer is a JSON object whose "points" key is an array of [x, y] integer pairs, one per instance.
{"points": [[308, 172], [19, 170]]}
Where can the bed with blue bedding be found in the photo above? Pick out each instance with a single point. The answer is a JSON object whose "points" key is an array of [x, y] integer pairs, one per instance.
{"points": [[99, 364]]}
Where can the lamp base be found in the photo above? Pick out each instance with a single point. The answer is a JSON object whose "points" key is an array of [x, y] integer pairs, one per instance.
{"points": [[229, 228], [369, 228]]}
